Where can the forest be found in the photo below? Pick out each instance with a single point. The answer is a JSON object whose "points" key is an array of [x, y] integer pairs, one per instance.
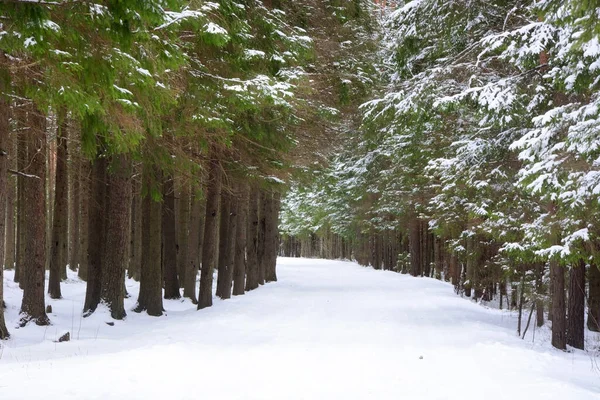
{"points": [[143, 139], [476, 163], [186, 145]]}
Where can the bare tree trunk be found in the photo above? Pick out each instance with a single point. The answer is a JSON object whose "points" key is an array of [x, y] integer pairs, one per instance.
{"points": [[33, 305], [183, 221], [60, 228], [539, 288], [209, 247], [135, 237], [593, 322], [415, 246], [150, 296], [192, 265], [272, 237], [4, 156], [231, 249], [224, 244], [559, 326], [239, 274], [117, 236], [252, 241], [85, 187], [11, 191], [96, 235], [169, 241], [260, 248], [74, 205], [22, 162], [576, 313]]}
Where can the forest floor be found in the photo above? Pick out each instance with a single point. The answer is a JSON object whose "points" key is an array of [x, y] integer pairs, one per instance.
{"points": [[326, 330]]}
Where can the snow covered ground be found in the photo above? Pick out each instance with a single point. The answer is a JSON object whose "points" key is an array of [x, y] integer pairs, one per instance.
{"points": [[326, 330]]}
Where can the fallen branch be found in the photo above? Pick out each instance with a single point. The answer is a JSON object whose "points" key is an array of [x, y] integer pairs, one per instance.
{"points": [[12, 171]]}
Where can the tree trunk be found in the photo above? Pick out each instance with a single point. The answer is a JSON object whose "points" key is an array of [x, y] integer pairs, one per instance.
{"points": [[183, 221], [135, 257], [33, 305], [60, 221], [260, 249], [211, 222], [252, 241], [84, 217], [22, 162], [224, 244], [4, 156], [272, 237], [11, 191], [539, 288], [239, 275], [75, 201], [576, 313], [192, 265], [96, 235], [169, 253], [593, 322], [117, 236], [231, 248], [150, 296], [415, 246], [559, 327]]}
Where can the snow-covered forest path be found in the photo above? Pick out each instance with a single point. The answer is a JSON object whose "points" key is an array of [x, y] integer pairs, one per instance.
{"points": [[326, 330]]}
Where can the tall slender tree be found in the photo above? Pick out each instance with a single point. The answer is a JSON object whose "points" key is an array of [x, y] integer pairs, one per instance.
{"points": [[60, 221], [119, 193], [33, 305], [211, 223]]}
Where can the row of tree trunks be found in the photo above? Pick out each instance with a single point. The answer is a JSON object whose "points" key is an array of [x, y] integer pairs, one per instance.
{"points": [[122, 223]]}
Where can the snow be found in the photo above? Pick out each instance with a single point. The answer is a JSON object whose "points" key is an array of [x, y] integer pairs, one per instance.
{"points": [[326, 330]]}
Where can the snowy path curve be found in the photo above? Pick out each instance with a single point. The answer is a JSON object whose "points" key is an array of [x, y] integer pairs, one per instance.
{"points": [[326, 330]]}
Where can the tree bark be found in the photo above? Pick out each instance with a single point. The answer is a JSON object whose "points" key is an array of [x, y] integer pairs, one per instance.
{"points": [[260, 249], [209, 249], [4, 156], [135, 237], [593, 322], [272, 238], [224, 244], [415, 246], [117, 236], [539, 288], [183, 221], [96, 235], [239, 275], [33, 306], [84, 217], [11, 191], [150, 296], [191, 243], [252, 241], [74, 207], [576, 313], [22, 162], [169, 253], [559, 327], [60, 221]]}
